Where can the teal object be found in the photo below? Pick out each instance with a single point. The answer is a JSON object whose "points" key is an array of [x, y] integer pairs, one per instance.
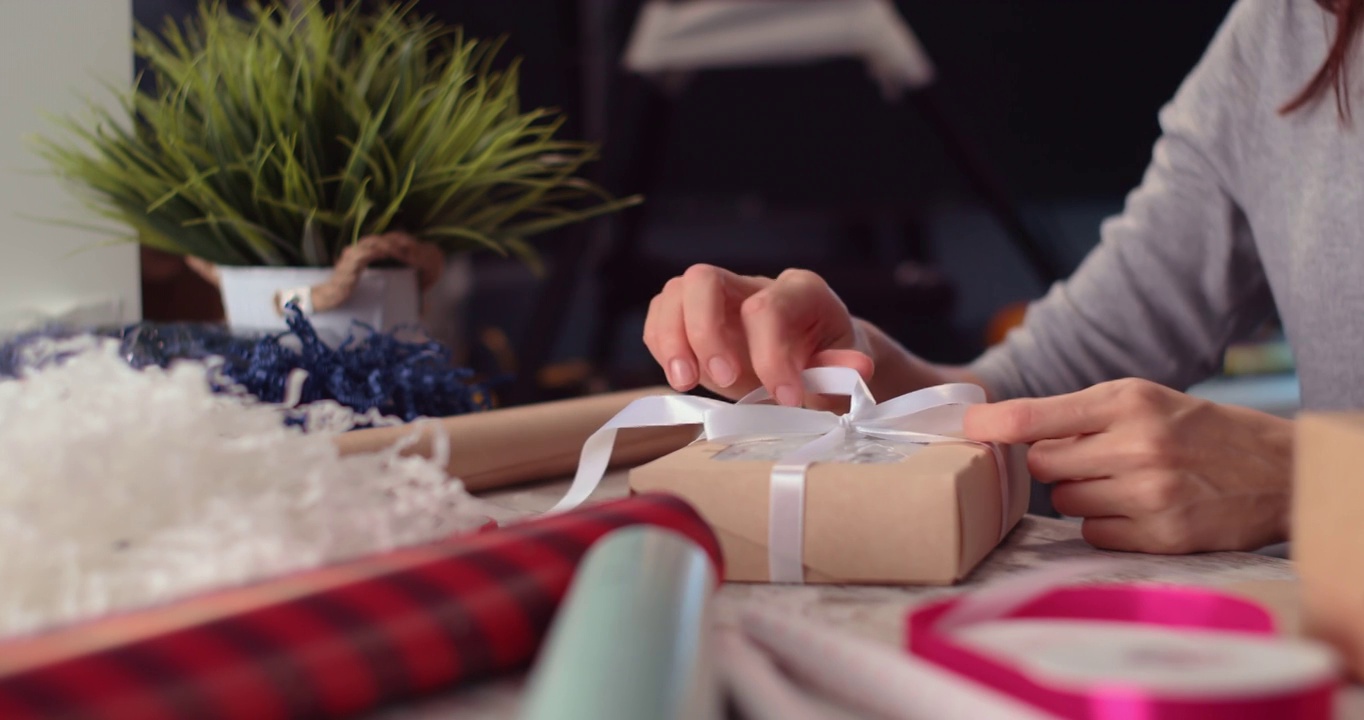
{"points": [[629, 642]]}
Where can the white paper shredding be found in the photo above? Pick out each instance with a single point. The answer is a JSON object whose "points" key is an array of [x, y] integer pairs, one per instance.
{"points": [[121, 488]]}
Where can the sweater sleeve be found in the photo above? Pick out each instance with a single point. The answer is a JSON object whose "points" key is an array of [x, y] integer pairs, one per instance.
{"points": [[1175, 277]]}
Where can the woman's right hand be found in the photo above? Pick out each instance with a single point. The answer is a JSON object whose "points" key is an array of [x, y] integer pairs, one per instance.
{"points": [[733, 333]]}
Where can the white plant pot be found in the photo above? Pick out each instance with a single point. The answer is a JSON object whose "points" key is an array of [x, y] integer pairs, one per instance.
{"points": [[384, 298]]}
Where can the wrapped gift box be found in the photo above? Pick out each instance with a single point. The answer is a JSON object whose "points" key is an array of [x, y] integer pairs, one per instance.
{"points": [[1327, 537], [884, 493], [882, 512]]}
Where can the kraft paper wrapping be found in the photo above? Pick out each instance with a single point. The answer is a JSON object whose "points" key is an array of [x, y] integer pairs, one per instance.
{"points": [[514, 445], [927, 519]]}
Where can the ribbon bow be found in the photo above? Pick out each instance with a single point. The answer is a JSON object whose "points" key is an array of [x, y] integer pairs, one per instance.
{"points": [[928, 416]]}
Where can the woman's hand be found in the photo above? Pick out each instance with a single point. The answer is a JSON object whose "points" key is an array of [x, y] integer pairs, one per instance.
{"points": [[732, 333], [1151, 469]]}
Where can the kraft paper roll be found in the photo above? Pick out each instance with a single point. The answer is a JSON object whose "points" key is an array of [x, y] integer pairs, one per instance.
{"points": [[520, 444], [630, 640]]}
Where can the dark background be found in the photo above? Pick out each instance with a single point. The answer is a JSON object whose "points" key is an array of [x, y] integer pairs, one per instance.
{"points": [[1060, 96], [1061, 93]]}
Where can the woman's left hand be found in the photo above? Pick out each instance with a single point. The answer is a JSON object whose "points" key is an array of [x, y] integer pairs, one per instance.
{"points": [[1150, 469]]}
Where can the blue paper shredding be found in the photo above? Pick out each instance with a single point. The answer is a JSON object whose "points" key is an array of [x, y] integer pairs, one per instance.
{"points": [[371, 370]]}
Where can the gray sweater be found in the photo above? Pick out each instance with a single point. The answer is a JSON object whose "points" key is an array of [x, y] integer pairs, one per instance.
{"points": [[1241, 210]]}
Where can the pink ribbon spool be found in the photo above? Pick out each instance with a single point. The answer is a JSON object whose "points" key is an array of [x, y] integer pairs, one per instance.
{"points": [[1306, 694]]}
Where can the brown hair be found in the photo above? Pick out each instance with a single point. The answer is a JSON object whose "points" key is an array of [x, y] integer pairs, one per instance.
{"points": [[1333, 73]]}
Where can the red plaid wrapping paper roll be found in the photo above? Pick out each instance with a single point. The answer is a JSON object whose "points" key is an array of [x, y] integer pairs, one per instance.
{"points": [[332, 642]]}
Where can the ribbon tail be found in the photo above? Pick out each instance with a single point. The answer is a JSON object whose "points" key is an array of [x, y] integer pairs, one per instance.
{"points": [[1006, 489], [595, 459], [592, 465]]}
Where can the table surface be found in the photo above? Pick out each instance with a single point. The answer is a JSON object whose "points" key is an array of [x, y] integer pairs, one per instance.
{"points": [[877, 613]]}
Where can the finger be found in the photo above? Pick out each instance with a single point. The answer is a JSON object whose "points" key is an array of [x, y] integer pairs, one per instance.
{"points": [[740, 287], [666, 338], [1078, 457], [1147, 535], [1101, 497], [706, 315], [1032, 419], [1112, 533], [777, 322]]}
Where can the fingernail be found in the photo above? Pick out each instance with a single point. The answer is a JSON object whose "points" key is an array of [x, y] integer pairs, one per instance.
{"points": [[788, 395], [722, 371], [682, 373]]}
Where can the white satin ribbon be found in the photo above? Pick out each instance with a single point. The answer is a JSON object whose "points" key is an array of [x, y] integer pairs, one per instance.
{"points": [[928, 416]]}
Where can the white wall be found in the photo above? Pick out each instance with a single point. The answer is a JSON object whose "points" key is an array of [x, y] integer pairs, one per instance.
{"points": [[53, 53]]}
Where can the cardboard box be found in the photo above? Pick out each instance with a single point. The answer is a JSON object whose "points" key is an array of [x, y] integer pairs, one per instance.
{"points": [[926, 518], [1328, 530], [521, 444]]}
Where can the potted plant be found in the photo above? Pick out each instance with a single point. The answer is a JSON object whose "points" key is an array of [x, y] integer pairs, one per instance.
{"points": [[332, 157]]}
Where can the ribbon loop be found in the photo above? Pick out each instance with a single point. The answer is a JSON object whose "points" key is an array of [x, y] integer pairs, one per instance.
{"points": [[840, 381], [734, 420], [928, 416]]}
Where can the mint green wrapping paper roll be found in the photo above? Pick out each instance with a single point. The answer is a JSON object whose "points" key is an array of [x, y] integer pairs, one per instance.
{"points": [[630, 640]]}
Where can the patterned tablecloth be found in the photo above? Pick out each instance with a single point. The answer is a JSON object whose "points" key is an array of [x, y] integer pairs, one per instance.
{"points": [[877, 613]]}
